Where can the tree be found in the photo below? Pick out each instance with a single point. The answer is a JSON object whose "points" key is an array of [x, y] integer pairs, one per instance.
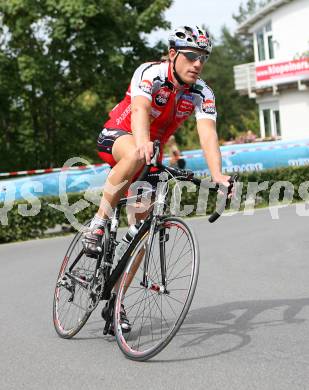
{"points": [[62, 64], [247, 9]]}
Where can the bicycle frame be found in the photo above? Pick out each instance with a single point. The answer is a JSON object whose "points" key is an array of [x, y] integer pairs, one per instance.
{"points": [[147, 271], [149, 225], [118, 270]]}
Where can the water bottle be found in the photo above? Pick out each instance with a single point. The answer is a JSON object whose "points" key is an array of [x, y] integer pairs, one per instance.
{"points": [[125, 242]]}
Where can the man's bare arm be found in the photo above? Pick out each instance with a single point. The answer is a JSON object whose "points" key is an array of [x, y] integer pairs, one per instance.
{"points": [[140, 125]]}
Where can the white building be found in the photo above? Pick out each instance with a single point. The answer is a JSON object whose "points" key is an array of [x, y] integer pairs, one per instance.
{"points": [[279, 77]]}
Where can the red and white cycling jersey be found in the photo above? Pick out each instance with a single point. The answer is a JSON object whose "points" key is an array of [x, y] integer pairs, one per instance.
{"points": [[170, 107]]}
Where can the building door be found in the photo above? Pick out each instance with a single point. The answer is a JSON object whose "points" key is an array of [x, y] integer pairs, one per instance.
{"points": [[267, 123], [277, 125]]}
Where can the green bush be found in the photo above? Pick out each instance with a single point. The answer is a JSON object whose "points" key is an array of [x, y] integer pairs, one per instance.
{"points": [[21, 228]]}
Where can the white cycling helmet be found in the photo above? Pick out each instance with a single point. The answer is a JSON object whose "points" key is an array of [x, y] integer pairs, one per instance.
{"points": [[189, 37]]}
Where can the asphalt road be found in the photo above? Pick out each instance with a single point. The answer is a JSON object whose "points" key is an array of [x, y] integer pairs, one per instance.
{"points": [[248, 327]]}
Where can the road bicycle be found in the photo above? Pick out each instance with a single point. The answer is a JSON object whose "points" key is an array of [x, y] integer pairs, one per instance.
{"points": [[162, 258]]}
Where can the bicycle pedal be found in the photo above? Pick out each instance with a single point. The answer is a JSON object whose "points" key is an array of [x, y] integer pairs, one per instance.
{"points": [[105, 313], [106, 328], [111, 330]]}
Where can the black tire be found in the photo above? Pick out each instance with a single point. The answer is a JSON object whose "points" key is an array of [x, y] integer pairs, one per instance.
{"points": [[70, 316], [148, 336]]}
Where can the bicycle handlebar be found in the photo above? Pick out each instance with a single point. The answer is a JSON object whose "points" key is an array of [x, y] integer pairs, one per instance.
{"points": [[153, 161], [188, 175]]}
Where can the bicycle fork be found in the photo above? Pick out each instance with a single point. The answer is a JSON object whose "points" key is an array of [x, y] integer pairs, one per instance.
{"points": [[163, 237]]}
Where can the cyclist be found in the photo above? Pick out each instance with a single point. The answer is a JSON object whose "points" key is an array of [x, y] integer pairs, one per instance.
{"points": [[161, 96]]}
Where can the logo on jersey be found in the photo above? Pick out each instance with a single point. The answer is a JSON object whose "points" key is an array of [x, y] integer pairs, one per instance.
{"points": [[106, 132], [185, 108], [145, 86], [209, 106], [162, 97], [123, 115]]}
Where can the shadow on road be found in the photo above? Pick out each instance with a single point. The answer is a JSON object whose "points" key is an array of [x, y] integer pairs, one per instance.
{"points": [[235, 319]]}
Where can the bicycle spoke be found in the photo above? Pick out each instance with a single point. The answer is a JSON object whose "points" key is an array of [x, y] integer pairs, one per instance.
{"points": [[138, 289], [154, 265], [174, 299], [162, 316], [171, 306], [140, 303], [178, 257], [171, 252], [187, 265], [141, 327], [136, 303], [180, 277], [181, 257]]}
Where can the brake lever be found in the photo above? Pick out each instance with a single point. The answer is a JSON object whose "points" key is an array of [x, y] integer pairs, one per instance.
{"points": [[217, 214], [153, 161], [232, 180]]}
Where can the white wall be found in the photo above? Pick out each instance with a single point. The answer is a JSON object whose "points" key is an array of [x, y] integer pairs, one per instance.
{"points": [[294, 114], [290, 26]]}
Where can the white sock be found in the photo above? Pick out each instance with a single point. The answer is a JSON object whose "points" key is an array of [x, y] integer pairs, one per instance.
{"points": [[96, 220]]}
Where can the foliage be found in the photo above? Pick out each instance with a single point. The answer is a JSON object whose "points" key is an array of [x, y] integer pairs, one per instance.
{"points": [[248, 9], [64, 65], [61, 64], [21, 228]]}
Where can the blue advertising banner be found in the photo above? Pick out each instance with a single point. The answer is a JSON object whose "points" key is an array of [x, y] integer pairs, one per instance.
{"points": [[254, 157], [235, 158]]}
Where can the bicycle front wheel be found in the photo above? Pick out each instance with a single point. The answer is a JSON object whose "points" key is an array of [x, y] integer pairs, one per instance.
{"points": [[156, 309], [74, 297]]}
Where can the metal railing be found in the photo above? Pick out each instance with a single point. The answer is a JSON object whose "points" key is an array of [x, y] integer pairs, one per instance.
{"points": [[244, 79]]}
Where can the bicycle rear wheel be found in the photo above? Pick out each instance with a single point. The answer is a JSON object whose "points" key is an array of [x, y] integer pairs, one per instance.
{"points": [[75, 297], [156, 311]]}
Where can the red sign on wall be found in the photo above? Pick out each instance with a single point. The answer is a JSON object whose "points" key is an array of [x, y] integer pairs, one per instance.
{"points": [[282, 70]]}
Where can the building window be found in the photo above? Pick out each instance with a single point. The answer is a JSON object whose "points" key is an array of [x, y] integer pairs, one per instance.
{"points": [[261, 46], [264, 41], [270, 47]]}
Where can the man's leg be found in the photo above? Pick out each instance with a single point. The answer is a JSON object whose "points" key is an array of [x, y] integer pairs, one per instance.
{"points": [[128, 163], [121, 175], [125, 324]]}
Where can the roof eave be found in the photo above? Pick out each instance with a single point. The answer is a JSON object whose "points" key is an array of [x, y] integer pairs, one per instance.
{"points": [[260, 14]]}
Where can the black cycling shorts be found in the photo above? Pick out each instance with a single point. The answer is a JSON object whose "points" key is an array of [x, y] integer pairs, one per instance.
{"points": [[105, 143]]}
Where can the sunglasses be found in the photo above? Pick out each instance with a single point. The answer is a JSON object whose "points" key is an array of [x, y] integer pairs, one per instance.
{"points": [[192, 56]]}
